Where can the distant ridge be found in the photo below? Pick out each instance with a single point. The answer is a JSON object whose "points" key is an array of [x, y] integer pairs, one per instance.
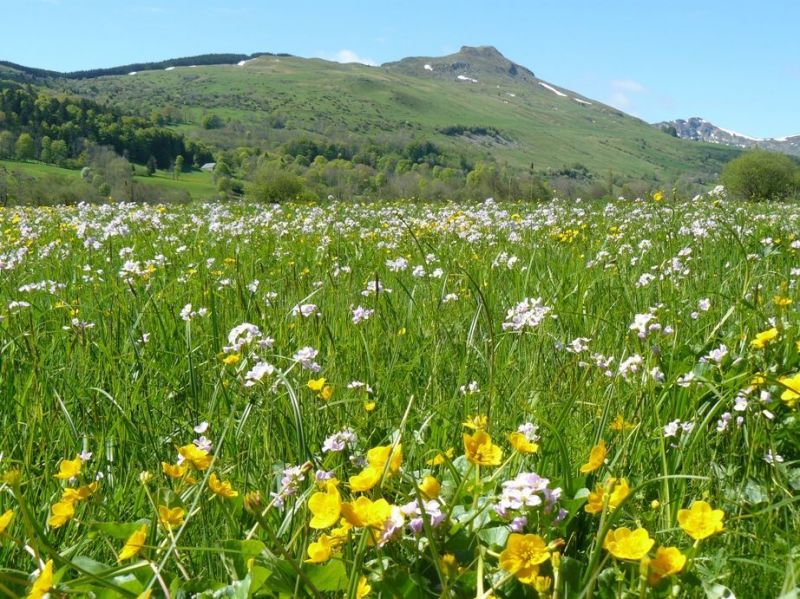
{"points": [[698, 129], [187, 61]]}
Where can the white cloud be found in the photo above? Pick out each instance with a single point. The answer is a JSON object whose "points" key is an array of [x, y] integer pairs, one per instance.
{"points": [[347, 56], [623, 94]]}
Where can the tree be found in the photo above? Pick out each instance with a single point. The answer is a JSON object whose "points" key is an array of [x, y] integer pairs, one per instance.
{"points": [[211, 121], [25, 148], [6, 144], [760, 175], [46, 152], [178, 166], [151, 166], [271, 184], [59, 151]]}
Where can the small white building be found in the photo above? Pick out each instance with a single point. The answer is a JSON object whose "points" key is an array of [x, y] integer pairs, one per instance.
{"points": [[208, 167]]}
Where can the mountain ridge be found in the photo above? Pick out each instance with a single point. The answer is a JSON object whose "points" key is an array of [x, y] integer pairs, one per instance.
{"points": [[699, 129]]}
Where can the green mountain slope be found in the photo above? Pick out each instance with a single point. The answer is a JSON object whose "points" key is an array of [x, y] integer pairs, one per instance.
{"points": [[475, 103]]}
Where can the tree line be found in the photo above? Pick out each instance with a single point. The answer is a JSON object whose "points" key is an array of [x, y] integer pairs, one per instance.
{"points": [[55, 129]]}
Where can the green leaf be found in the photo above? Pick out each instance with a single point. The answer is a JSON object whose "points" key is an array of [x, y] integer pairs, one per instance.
{"points": [[118, 530], [329, 577], [496, 537]]}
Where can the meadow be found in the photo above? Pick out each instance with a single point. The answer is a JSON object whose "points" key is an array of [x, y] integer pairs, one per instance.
{"points": [[560, 400]]}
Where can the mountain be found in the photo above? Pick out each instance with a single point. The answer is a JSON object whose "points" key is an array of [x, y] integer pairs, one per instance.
{"points": [[698, 129], [474, 105]]}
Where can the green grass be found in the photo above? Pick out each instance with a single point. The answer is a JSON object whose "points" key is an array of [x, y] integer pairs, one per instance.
{"points": [[93, 384], [199, 185], [353, 102]]}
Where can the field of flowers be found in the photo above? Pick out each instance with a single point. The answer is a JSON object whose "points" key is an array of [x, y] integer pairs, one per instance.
{"points": [[398, 400]]}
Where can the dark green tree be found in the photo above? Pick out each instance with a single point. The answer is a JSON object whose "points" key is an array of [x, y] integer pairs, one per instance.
{"points": [[760, 175], [25, 148]]}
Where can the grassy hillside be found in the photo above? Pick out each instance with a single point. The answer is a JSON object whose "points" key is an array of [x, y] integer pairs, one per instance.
{"points": [[270, 100]]}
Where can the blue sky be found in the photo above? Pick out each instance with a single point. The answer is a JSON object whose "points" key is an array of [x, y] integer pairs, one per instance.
{"points": [[733, 62]]}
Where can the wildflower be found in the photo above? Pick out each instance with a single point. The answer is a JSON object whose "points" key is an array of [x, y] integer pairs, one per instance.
{"points": [[201, 428], [365, 480], [360, 314], [61, 513], [524, 438], [429, 487], [325, 506], [5, 520], [305, 357], [232, 359], [480, 450], [339, 441], [527, 490], [620, 425], [43, 583], [791, 393], [320, 551], [170, 517], [597, 457], [257, 373], [623, 543], [476, 423], [432, 509], [79, 494], [378, 456], [134, 544], [195, 456], [523, 555], [221, 488], [175, 471], [316, 385], [365, 513], [529, 313], [668, 561], [700, 521], [781, 301], [69, 469], [363, 589], [770, 458], [441, 457], [619, 490], [764, 338]]}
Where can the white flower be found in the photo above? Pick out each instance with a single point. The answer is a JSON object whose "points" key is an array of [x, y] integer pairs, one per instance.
{"points": [[397, 265], [201, 428], [258, 372], [305, 310], [361, 314], [305, 357], [773, 458], [529, 313]]}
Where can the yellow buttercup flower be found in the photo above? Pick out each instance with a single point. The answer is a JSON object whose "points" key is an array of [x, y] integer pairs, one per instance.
{"points": [[320, 551], [620, 425], [325, 507], [700, 520], [43, 583], [170, 517], [5, 520], [521, 443], [596, 458], [781, 301], [326, 393], [175, 470], [476, 423], [79, 494], [764, 338], [365, 480], [616, 489], [430, 487], [523, 555], [365, 513], [363, 589], [316, 385], [369, 406], [668, 561], [378, 456], [442, 457], [134, 544], [231, 360], [624, 543], [68, 469], [791, 392], [61, 513], [221, 488], [198, 458], [480, 450]]}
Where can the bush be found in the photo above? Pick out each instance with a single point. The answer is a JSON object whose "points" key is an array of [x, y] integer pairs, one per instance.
{"points": [[760, 175], [271, 184]]}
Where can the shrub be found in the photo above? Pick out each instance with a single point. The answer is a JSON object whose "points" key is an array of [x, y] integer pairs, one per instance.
{"points": [[760, 175]]}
